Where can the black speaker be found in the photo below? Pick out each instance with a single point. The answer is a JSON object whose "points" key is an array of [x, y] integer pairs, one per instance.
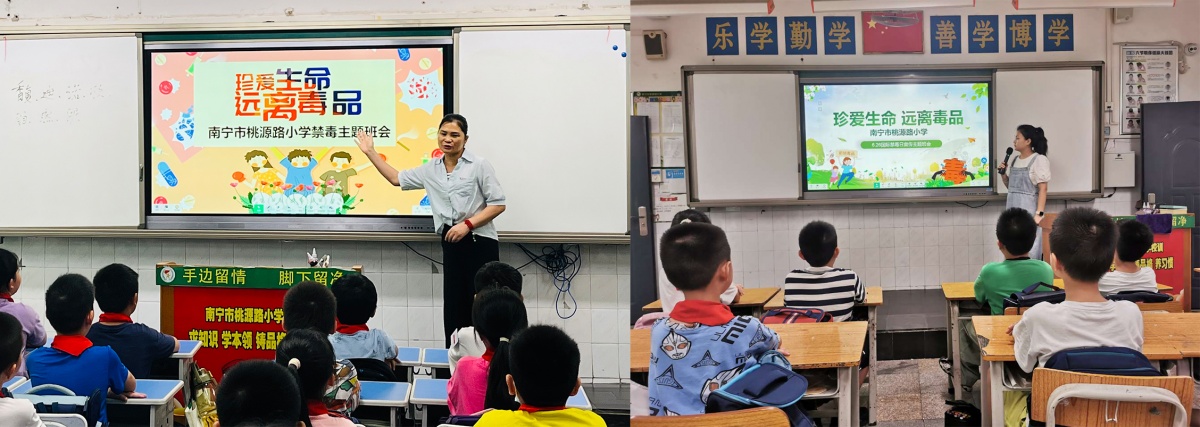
{"points": [[656, 44]]}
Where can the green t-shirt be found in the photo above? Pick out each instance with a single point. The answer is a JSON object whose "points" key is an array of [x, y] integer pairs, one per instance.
{"points": [[999, 280]]}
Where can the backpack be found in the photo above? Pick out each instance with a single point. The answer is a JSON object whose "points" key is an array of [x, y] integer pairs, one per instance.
{"points": [[770, 382], [1140, 296], [64, 401], [1103, 361], [795, 315], [1030, 296]]}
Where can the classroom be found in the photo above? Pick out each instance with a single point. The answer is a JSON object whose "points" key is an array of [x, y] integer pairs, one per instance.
{"points": [[245, 176], [865, 164]]}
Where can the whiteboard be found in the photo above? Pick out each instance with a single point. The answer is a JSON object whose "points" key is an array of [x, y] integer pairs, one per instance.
{"points": [[744, 136], [71, 116], [1061, 102], [549, 110]]}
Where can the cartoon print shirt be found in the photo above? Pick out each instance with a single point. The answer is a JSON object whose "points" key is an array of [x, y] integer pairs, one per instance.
{"points": [[697, 350]]}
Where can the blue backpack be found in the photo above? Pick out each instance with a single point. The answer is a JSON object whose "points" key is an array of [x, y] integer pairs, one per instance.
{"points": [[1103, 361], [770, 382]]}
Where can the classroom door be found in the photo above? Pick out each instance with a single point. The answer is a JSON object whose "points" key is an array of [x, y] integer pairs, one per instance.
{"points": [[1171, 149], [641, 216]]}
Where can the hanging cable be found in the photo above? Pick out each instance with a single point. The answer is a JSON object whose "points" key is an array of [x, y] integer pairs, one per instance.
{"points": [[562, 262]]}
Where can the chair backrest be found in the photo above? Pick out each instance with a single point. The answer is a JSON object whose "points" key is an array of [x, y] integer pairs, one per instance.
{"points": [[373, 370], [1091, 405], [756, 417], [1175, 305], [65, 420]]}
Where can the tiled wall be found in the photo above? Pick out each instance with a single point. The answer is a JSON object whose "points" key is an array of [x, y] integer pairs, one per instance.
{"points": [[410, 286], [909, 246]]}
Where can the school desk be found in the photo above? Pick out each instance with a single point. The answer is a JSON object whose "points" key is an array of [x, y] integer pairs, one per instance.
{"points": [[835, 345], [437, 358], [1161, 343], [186, 356], [159, 398], [426, 391], [752, 302], [873, 301], [15, 382], [960, 295], [390, 395]]}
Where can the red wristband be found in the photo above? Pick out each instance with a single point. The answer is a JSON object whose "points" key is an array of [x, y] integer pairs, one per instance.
{"points": [[470, 226]]}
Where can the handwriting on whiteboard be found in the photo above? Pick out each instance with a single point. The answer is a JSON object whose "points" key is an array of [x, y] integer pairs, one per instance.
{"points": [[43, 104]]}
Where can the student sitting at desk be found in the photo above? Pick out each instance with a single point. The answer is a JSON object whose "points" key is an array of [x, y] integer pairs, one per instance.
{"points": [[315, 354], [478, 383], [71, 360], [312, 306], [1016, 232], [138, 345], [357, 301], [259, 393], [686, 363], [13, 412], [668, 293], [10, 282], [1133, 241], [821, 286], [493, 275], [1081, 244], [545, 373]]}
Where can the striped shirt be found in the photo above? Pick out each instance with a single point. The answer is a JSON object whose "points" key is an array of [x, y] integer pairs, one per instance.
{"points": [[834, 290]]}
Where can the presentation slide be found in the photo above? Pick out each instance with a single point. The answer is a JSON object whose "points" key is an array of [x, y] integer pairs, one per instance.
{"points": [[272, 132], [896, 136]]}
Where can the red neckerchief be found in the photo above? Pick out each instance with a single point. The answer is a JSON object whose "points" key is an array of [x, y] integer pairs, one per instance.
{"points": [[316, 407], [115, 318], [708, 313], [532, 409], [73, 345], [351, 329], [7, 297], [487, 355]]}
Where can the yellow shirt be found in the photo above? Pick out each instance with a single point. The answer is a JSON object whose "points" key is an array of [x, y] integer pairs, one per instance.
{"points": [[563, 418]]}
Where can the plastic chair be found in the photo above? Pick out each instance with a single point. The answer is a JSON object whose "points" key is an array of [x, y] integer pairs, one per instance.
{"points": [[757, 417], [1100, 400], [63, 420]]}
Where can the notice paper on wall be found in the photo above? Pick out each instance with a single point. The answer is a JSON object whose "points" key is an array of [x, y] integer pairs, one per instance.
{"points": [[672, 117], [1148, 74], [666, 205], [672, 151], [674, 181]]}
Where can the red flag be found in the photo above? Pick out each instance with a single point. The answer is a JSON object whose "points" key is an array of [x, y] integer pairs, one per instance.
{"points": [[893, 32], [770, 6]]}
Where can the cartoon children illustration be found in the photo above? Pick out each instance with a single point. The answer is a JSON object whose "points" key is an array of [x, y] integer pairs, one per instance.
{"points": [[833, 172], [264, 174], [342, 171], [847, 172], [300, 165]]}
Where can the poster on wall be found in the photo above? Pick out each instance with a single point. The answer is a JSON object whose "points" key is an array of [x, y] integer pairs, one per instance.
{"points": [[1148, 74]]}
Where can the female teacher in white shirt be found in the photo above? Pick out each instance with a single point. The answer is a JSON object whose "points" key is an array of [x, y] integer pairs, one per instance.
{"points": [[465, 197], [1028, 178]]}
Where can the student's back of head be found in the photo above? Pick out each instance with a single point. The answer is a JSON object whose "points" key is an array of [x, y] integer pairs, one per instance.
{"points": [[309, 305], [1134, 239], [116, 285], [1082, 243], [498, 314], [496, 274], [69, 304], [689, 215], [258, 393], [356, 299], [545, 366], [818, 243], [315, 354], [12, 344], [1016, 231], [9, 265], [692, 253]]}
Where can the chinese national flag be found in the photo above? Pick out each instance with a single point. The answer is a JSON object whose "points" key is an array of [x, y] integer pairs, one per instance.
{"points": [[893, 32]]}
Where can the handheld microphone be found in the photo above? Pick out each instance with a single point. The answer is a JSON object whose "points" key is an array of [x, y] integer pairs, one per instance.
{"points": [[1004, 165]]}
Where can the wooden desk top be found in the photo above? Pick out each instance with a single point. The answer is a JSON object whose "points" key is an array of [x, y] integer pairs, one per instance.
{"points": [[959, 291], [812, 345], [1156, 346], [874, 299], [751, 297]]}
